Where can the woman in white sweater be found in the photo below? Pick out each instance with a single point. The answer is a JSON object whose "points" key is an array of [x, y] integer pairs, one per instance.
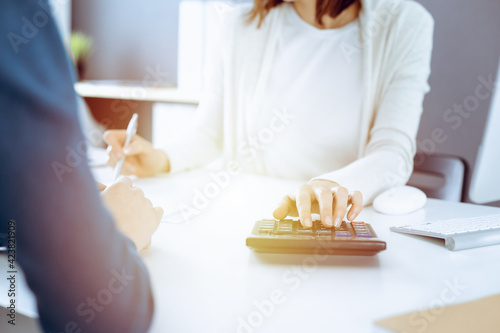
{"points": [[328, 91]]}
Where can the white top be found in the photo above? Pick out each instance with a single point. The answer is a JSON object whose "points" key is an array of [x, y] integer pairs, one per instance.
{"points": [[395, 45], [312, 80]]}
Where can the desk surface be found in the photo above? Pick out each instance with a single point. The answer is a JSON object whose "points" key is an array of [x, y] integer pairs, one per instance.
{"points": [[206, 280], [105, 89]]}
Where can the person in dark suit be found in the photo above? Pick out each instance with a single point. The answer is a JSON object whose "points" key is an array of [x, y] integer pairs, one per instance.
{"points": [[78, 249]]}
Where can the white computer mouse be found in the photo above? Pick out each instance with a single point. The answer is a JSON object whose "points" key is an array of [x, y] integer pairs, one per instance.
{"points": [[400, 200]]}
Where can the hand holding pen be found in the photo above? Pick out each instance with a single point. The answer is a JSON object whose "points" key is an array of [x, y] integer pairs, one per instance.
{"points": [[139, 156]]}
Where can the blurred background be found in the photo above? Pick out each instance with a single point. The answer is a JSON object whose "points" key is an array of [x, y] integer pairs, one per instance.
{"points": [[162, 44]]}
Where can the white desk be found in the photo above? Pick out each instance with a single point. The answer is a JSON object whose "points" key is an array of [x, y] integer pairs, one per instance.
{"points": [[205, 278]]}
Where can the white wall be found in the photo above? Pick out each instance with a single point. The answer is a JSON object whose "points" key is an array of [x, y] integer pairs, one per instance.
{"points": [[466, 51], [133, 40], [61, 10], [199, 25], [486, 178]]}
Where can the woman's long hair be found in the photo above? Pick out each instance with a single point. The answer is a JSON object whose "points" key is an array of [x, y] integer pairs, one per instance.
{"points": [[331, 7]]}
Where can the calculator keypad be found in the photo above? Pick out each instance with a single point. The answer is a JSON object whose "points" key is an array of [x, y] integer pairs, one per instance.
{"points": [[361, 229], [293, 228], [289, 237]]}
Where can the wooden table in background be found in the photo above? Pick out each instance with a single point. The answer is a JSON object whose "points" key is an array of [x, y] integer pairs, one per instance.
{"points": [[112, 103]]}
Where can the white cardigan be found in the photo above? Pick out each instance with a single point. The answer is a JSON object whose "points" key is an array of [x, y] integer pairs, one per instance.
{"points": [[395, 44]]}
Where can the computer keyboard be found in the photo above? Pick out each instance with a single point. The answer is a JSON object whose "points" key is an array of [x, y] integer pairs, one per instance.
{"points": [[459, 233], [288, 236]]}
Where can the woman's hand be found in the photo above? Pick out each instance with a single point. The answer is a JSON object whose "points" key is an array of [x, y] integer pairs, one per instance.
{"points": [[325, 197], [141, 158]]}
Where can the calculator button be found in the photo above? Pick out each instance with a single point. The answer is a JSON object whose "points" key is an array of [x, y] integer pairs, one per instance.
{"points": [[342, 234], [343, 226], [284, 231], [267, 223], [358, 224], [361, 229], [317, 225], [323, 233], [363, 233], [307, 232], [266, 228], [285, 223]]}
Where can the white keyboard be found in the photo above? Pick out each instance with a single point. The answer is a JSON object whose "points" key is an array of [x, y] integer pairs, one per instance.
{"points": [[459, 233]]}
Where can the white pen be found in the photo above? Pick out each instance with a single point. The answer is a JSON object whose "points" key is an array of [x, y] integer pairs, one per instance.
{"points": [[131, 131]]}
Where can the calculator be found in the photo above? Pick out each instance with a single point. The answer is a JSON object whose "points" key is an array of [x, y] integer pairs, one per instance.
{"points": [[288, 236]]}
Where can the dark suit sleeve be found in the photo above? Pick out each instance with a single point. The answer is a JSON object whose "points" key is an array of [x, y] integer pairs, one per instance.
{"points": [[86, 276]]}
